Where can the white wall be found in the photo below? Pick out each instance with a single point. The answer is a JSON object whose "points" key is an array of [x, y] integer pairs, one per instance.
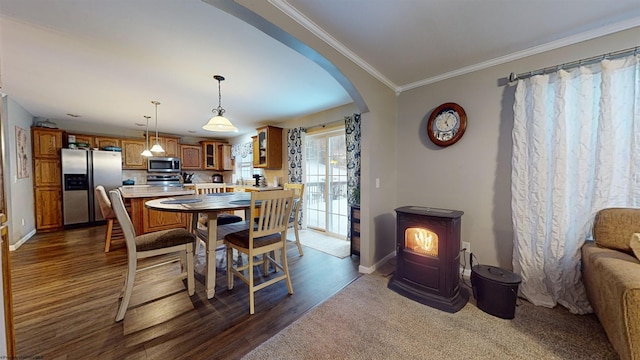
{"points": [[19, 194], [474, 175]]}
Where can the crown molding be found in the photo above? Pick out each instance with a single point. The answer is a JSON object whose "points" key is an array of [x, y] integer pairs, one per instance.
{"points": [[301, 19]]}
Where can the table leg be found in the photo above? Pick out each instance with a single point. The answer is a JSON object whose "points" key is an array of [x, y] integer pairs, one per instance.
{"points": [[212, 232]]}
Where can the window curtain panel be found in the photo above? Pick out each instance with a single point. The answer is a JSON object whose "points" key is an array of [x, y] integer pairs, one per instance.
{"points": [[575, 135], [295, 141], [352, 130]]}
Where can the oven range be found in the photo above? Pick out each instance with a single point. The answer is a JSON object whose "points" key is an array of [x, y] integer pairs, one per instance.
{"points": [[163, 180]]}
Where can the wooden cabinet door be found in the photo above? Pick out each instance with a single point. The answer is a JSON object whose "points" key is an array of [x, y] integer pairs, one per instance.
{"points": [[145, 220], [210, 155], [226, 163], [256, 156], [191, 156], [46, 142], [131, 154], [47, 172], [170, 146], [101, 142], [48, 201], [87, 139], [267, 148]]}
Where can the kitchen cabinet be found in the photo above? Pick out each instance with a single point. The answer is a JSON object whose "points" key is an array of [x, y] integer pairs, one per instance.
{"points": [[254, 144], [210, 155], [48, 203], [354, 229], [267, 148], [131, 154], [169, 144], [46, 172], [102, 142], [224, 151], [146, 220], [46, 144], [191, 156], [87, 139]]}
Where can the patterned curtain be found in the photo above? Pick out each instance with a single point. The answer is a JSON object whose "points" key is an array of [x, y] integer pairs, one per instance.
{"points": [[352, 129], [242, 150], [295, 140], [294, 146]]}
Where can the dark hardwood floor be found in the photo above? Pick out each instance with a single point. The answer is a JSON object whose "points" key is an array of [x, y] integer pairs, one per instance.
{"points": [[66, 294]]}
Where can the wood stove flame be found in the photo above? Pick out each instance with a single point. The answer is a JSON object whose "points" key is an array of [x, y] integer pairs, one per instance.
{"points": [[421, 241]]}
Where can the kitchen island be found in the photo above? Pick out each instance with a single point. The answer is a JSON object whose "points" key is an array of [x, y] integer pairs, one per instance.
{"points": [[145, 220]]}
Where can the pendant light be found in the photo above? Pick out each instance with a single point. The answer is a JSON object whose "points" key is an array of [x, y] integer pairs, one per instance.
{"points": [[146, 151], [218, 122], [156, 148]]}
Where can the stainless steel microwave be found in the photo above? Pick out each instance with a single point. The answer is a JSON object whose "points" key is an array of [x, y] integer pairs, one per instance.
{"points": [[164, 164]]}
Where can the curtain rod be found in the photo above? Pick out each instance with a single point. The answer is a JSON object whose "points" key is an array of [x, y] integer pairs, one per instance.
{"points": [[591, 60], [324, 125]]}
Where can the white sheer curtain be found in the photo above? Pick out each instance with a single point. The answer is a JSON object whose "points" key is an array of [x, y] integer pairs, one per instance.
{"points": [[576, 145]]}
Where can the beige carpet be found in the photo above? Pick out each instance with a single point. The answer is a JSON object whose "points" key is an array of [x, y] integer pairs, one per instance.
{"points": [[368, 321]]}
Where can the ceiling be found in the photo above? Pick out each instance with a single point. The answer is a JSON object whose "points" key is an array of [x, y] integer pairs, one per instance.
{"points": [[106, 60]]}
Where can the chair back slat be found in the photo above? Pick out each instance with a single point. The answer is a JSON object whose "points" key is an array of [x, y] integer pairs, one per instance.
{"points": [[297, 197], [209, 188], [274, 208]]}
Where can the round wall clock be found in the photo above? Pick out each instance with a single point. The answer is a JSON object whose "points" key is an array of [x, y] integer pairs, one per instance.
{"points": [[447, 124]]}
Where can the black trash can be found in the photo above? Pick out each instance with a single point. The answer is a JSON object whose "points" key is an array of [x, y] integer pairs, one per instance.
{"points": [[495, 290]]}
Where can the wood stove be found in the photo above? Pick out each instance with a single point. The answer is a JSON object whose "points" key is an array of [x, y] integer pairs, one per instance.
{"points": [[428, 257]]}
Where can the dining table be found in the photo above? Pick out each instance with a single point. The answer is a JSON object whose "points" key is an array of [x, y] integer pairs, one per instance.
{"points": [[211, 205]]}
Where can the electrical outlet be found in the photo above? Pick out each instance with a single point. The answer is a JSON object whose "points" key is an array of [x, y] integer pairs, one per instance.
{"points": [[22, 222], [466, 245]]}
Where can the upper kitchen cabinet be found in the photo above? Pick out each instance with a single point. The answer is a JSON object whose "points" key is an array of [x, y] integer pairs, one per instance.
{"points": [[131, 154], [191, 156], [169, 144], [267, 148], [224, 151], [46, 142], [85, 139], [172, 146], [210, 155], [102, 142]]}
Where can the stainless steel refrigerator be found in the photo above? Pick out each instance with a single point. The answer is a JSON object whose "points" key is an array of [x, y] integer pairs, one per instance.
{"points": [[82, 171]]}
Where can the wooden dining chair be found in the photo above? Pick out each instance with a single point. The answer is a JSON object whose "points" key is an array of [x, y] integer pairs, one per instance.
{"points": [[264, 237], [201, 219], [113, 227], [152, 244], [294, 220]]}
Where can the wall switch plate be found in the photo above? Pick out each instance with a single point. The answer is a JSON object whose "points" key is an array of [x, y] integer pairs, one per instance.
{"points": [[466, 245]]}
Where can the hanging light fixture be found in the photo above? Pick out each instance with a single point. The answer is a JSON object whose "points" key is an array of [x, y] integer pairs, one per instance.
{"points": [[218, 122], [156, 148], [146, 151]]}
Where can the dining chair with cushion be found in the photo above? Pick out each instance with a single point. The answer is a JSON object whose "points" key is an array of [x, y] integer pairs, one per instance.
{"points": [[294, 220], [152, 244], [264, 237], [113, 227], [199, 221]]}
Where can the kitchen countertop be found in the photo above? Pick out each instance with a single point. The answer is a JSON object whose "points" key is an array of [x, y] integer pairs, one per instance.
{"points": [[144, 191], [238, 187]]}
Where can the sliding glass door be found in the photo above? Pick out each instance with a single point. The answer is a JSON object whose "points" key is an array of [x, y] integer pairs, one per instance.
{"points": [[326, 182]]}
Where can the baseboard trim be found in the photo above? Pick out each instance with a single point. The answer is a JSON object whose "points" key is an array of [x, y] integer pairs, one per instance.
{"points": [[23, 240], [371, 269]]}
